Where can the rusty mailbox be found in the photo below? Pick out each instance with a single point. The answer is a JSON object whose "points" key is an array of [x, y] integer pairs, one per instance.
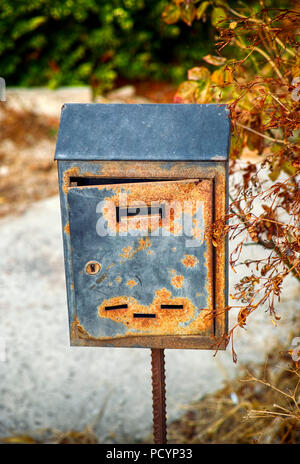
{"points": [[139, 185]]}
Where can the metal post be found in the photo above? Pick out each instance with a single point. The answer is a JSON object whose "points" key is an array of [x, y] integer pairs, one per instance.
{"points": [[159, 396]]}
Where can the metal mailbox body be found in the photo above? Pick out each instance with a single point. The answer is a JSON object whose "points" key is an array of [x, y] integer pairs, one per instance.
{"points": [[139, 185]]}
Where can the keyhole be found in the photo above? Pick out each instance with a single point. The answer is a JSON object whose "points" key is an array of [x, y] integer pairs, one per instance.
{"points": [[92, 267]]}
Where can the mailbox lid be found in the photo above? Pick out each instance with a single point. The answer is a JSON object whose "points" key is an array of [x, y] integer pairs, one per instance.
{"points": [[142, 274], [170, 132]]}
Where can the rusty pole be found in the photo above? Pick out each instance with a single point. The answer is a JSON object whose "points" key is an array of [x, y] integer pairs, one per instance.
{"points": [[159, 396]]}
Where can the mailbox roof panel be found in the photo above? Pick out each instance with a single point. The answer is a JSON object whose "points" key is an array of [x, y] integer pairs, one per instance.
{"points": [[174, 132]]}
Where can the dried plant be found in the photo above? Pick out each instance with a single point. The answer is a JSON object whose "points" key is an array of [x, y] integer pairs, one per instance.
{"points": [[259, 85], [255, 408], [291, 398]]}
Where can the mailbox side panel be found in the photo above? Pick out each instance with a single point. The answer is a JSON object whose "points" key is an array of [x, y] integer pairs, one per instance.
{"points": [[62, 168]]}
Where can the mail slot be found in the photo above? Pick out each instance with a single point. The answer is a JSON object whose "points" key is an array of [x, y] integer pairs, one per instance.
{"points": [[140, 185]]}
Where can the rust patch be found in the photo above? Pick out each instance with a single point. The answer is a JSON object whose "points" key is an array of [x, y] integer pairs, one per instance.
{"points": [[208, 256], [155, 169], [131, 283], [167, 321], [67, 228], [129, 252], [126, 252], [74, 330], [101, 278], [174, 195], [109, 266], [177, 280], [78, 331], [71, 172], [190, 261], [119, 279]]}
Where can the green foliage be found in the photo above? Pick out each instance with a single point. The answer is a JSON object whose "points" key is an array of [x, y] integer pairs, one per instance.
{"points": [[77, 42]]}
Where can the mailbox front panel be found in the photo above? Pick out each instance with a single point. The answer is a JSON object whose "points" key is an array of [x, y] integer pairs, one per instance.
{"points": [[149, 272], [141, 265]]}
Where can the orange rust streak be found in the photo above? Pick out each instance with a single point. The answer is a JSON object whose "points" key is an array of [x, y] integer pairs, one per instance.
{"points": [[157, 169], [78, 331], [72, 172], [67, 228], [109, 266]]}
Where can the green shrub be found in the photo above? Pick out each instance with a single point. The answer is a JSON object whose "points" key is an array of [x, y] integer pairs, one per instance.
{"points": [[77, 42]]}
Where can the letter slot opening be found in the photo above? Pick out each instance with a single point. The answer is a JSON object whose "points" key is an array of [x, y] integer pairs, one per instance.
{"points": [[111, 308], [133, 211], [171, 306], [144, 315]]}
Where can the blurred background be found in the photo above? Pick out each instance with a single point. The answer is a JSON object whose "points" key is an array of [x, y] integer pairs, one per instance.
{"points": [[118, 51]]}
